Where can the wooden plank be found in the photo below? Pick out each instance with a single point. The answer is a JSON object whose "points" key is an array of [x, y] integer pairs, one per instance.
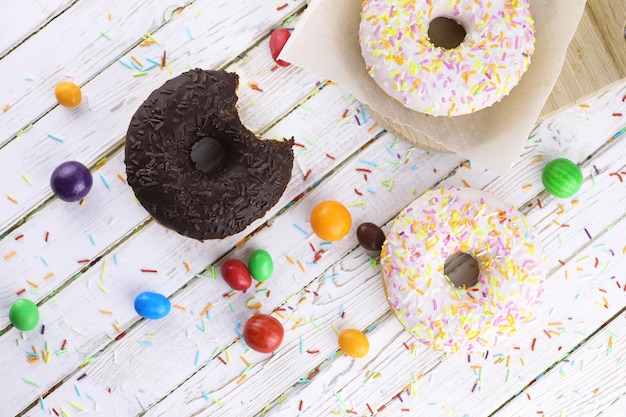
{"points": [[616, 408], [595, 58], [610, 18], [85, 51], [21, 21], [590, 382]]}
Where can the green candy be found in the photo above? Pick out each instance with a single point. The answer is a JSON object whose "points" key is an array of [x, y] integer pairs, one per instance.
{"points": [[562, 178], [24, 314], [260, 265]]}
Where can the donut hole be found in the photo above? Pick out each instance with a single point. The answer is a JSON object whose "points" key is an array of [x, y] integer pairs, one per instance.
{"points": [[208, 155], [446, 33], [461, 270]]}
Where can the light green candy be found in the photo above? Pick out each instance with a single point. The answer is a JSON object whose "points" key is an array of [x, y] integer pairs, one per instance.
{"points": [[260, 265], [24, 314]]}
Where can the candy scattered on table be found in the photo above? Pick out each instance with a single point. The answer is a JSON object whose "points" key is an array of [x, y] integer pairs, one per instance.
{"points": [[236, 274], [68, 94], [562, 178], [152, 305], [260, 265], [263, 333], [278, 39], [354, 343], [71, 181], [370, 236], [331, 220], [24, 314]]}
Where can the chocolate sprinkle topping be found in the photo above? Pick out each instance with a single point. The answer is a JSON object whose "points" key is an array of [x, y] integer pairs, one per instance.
{"points": [[196, 105]]}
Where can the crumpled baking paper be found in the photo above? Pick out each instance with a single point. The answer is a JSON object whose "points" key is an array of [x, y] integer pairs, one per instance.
{"points": [[326, 42]]}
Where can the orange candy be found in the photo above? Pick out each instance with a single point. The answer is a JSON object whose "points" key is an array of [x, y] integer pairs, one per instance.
{"points": [[68, 94], [354, 343], [331, 220]]}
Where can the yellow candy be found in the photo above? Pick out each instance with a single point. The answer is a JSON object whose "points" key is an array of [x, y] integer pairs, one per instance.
{"points": [[354, 343], [68, 94]]}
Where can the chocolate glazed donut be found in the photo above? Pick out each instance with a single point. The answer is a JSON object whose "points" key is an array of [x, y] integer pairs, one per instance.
{"points": [[194, 106]]}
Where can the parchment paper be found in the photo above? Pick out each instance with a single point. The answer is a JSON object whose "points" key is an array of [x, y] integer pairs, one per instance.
{"points": [[326, 42]]}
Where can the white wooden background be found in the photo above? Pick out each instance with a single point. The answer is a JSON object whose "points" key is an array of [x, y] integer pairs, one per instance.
{"points": [[83, 264]]}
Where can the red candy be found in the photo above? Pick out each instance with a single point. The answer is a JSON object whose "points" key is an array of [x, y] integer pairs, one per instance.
{"points": [[236, 274], [263, 333], [277, 41]]}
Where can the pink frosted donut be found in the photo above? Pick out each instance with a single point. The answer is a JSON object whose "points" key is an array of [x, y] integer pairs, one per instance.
{"points": [[428, 78], [510, 261]]}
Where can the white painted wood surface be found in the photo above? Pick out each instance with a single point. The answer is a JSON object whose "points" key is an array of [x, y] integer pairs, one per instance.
{"points": [[83, 264]]}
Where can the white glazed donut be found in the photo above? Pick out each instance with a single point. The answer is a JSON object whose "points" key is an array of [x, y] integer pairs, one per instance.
{"points": [[488, 63], [511, 266]]}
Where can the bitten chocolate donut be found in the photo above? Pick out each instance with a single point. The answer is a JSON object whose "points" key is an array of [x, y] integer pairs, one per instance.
{"points": [[194, 106]]}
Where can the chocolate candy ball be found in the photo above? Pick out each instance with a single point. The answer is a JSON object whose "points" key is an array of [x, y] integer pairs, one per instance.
{"points": [[370, 236], [24, 314]]}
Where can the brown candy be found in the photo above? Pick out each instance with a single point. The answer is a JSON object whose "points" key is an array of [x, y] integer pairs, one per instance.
{"points": [[370, 236]]}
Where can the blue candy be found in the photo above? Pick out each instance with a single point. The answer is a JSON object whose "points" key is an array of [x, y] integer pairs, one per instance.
{"points": [[152, 305]]}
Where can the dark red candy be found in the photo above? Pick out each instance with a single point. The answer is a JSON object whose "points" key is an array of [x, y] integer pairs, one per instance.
{"points": [[370, 236], [277, 41], [263, 333], [236, 274]]}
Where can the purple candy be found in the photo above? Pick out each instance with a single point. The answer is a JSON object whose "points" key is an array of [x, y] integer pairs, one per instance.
{"points": [[71, 181]]}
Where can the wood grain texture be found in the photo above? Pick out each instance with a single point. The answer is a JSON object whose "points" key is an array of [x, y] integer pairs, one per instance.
{"points": [[610, 18], [572, 387], [596, 57], [19, 23], [83, 264]]}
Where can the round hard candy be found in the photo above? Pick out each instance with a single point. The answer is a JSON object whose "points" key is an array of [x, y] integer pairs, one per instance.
{"points": [[331, 220], [71, 181], [562, 178]]}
